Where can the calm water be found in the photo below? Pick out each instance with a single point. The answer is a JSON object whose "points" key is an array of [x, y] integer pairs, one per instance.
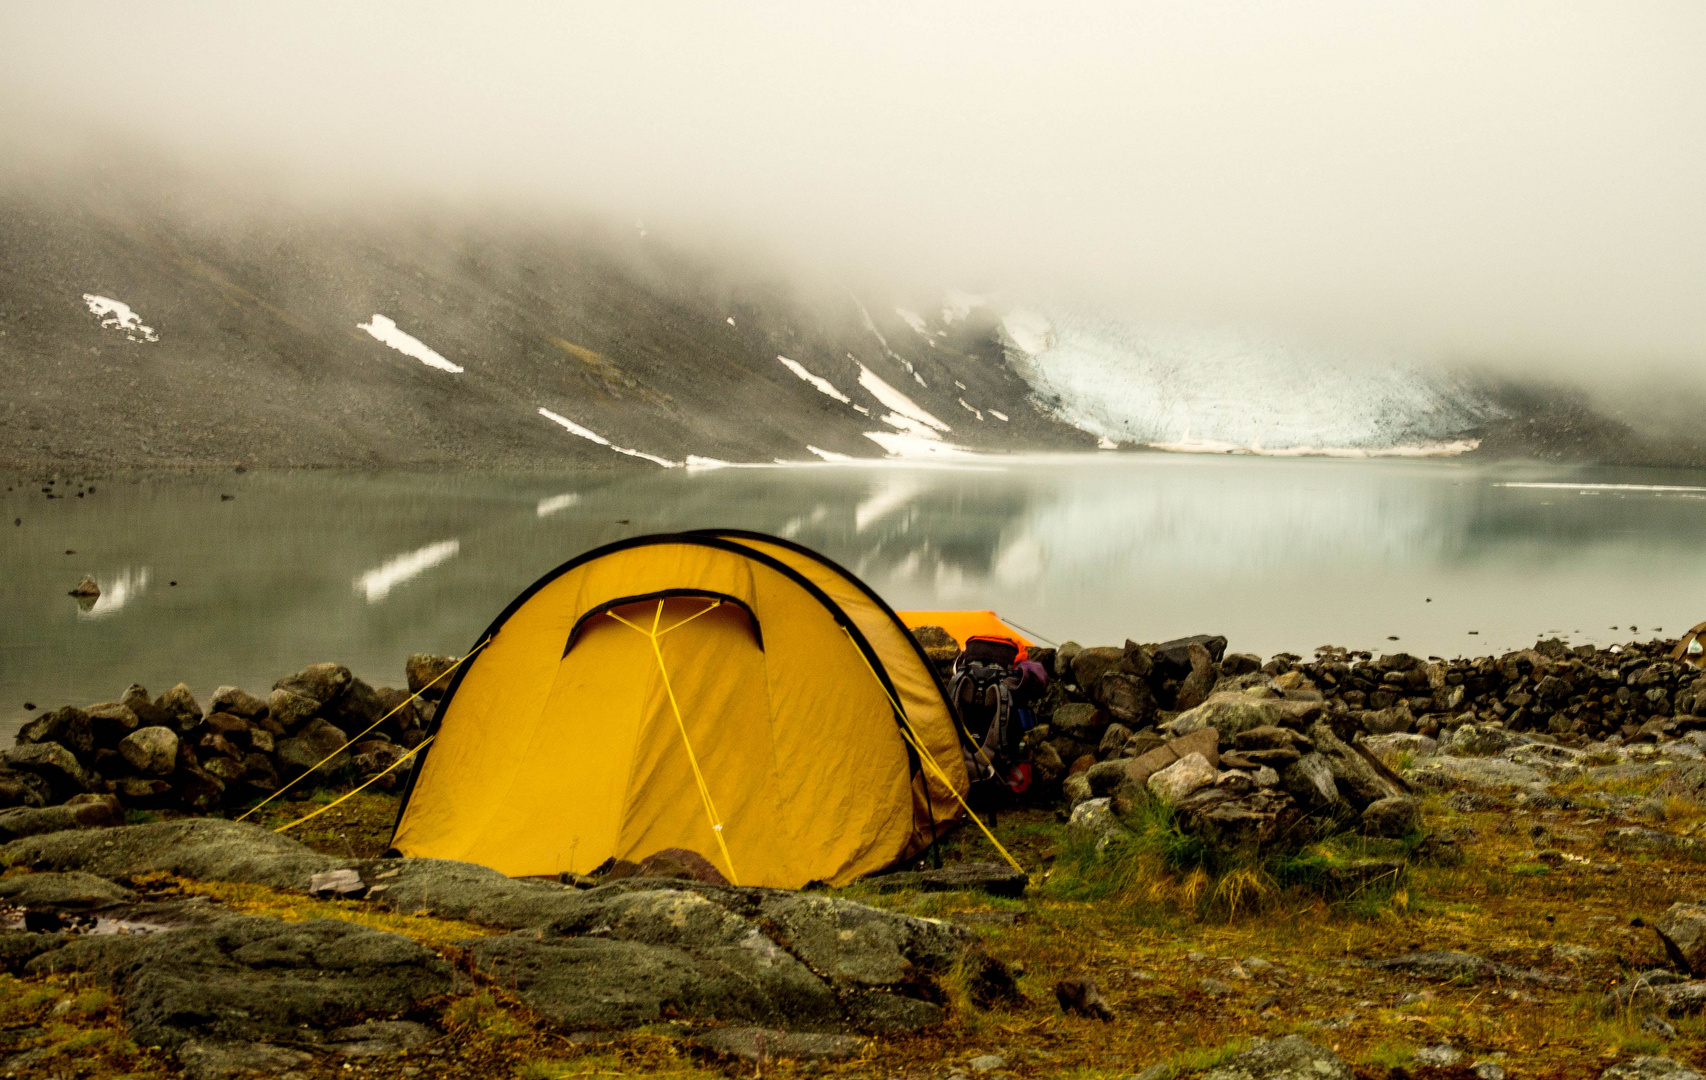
{"points": [[1276, 554]]}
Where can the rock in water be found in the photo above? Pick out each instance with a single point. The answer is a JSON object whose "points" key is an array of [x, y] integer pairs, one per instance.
{"points": [[151, 751], [1080, 996], [1290, 1058], [1682, 929], [86, 588], [1179, 779]]}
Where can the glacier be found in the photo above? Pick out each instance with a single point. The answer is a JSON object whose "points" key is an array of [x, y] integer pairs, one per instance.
{"points": [[1208, 391]]}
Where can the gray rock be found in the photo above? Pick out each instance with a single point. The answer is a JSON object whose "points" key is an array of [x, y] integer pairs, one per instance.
{"points": [[1447, 966], [1650, 1068], [1089, 665], [207, 849], [1229, 713], [1489, 774], [1181, 778], [376, 1038], [342, 884], [1094, 822], [1488, 1070], [1661, 992], [1290, 1058], [427, 676], [74, 891], [772, 1044], [246, 979], [1474, 740], [219, 1060], [111, 721], [1394, 817], [1417, 746], [317, 740], [1652, 1024], [1682, 930], [237, 702], [98, 812], [1440, 1055], [1113, 741], [1124, 697], [987, 1063], [1637, 840], [23, 788], [1080, 996], [151, 751], [1080, 721], [181, 708], [1357, 778], [1105, 777], [322, 682], [69, 727], [1309, 780], [291, 710], [996, 879], [1388, 721], [54, 764], [1075, 789], [588, 983]]}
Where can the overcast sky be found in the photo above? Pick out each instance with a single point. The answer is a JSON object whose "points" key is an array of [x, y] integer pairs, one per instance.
{"points": [[1488, 180]]}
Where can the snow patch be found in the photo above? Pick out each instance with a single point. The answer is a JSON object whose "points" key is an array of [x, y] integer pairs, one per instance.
{"points": [[730, 320], [957, 305], [593, 436], [969, 409], [116, 315], [1105, 443], [1209, 446], [1600, 487], [914, 320], [1028, 331], [378, 583], [385, 330], [829, 455], [896, 401], [906, 444], [553, 503], [1001, 416], [824, 386]]}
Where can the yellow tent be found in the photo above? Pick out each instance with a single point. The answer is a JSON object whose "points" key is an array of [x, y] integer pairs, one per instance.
{"points": [[734, 695]]}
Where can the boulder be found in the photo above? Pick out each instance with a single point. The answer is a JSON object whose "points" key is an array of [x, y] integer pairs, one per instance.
{"points": [[1076, 789], [1231, 713], [214, 745], [236, 702], [245, 978], [143, 793], [681, 864], [182, 710], [199, 790], [1179, 779], [1235, 814], [136, 699], [1448, 966], [1682, 929], [110, 722], [1390, 746], [1236, 664], [1200, 682], [1309, 780], [1106, 776], [1205, 741], [401, 714], [69, 727], [309, 748], [1089, 665], [82, 812], [1176, 654], [151, 751], [1046, 766], [1393, 817], [227, 770], [323, 683], [1113, 741], [54, 764], [290, 710], [763, 1045], [1290, 1058], [358, 708], [1397, 718], [206, 849], [1064, 654], [72, 891], [1093, 822], [1125, 697], [1359, 778], [422, 669], [1472, 740], [232, 728], [23, 789], [939, 647], [1079, 722], [212, 1060]]}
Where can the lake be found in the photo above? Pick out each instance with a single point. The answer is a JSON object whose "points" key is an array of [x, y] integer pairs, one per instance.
{"points": [[212, 579]]}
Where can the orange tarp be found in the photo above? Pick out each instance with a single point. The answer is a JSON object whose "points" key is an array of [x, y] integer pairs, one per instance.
{"points": [[964, 624]]}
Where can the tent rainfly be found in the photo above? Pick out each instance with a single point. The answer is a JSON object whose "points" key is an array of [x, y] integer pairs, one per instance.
{"points": [[727, 693]]}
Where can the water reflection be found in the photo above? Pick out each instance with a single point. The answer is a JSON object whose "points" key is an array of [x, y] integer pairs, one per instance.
{"points": [[1277, 554]]}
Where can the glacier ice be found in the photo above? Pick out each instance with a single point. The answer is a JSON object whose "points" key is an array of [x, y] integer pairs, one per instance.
{"points": [[1224, 392]]}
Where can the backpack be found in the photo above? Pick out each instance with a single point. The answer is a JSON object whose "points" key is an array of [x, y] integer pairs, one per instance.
{"points": [[992, 689]]}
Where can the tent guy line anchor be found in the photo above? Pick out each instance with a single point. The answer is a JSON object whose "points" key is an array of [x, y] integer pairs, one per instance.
{"points": [[692, 759]]}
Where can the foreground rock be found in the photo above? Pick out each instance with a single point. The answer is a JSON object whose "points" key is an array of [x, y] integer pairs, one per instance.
{"points": [[1290, 1058], [631, 952]]}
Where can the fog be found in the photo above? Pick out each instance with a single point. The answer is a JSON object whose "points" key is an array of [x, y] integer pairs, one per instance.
{"points": [[1517, 183]]}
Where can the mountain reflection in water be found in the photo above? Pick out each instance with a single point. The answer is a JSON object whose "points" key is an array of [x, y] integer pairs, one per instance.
{"points": [[1276, 554]]}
